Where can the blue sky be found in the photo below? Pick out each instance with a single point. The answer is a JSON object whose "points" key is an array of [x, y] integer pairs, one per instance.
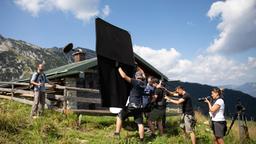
{"points": [[181, 38]]}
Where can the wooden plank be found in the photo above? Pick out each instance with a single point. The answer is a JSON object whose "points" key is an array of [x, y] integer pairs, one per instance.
{"points": [[25, 101], [25, 95], [78, 89], [85, 100], [15, 83], [15, 90], [12, 90], [65, 100], [93, 112], [77, 99], [6, 89], [57, 87], [5, 97], [23, 91]]}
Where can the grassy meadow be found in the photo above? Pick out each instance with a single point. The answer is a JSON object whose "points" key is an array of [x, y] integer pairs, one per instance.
{"points": [[55, 128]]}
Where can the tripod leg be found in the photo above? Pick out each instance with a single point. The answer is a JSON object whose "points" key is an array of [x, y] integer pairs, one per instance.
{"points": [[232, 123]]}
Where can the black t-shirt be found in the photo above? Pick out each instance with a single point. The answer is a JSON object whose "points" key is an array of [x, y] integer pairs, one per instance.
{"points": [[187, 107], [160, 101], [137, 91]]}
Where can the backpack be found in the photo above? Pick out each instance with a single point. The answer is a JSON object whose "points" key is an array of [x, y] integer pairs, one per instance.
{"points": [[31, 86]]}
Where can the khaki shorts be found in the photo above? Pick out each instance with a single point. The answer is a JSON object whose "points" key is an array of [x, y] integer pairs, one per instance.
{"points": [[187, 123]]}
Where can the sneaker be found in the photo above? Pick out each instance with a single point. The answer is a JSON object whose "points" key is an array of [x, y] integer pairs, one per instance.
{"points": [[34, 117], [146, 129], [116, 134]]}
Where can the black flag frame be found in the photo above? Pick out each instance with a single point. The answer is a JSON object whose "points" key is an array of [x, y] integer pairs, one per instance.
{"points": [[113, 48]]}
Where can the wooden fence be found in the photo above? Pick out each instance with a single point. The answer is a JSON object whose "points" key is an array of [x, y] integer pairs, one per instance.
{"points": [[20, 92]]}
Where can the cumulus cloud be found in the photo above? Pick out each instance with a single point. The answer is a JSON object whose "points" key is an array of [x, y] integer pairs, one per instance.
{"points": [[237, 25], [206, 69], [82, 9], [211, 69], [161, 58]]}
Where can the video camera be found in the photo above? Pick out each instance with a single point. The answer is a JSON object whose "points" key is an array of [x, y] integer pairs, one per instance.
{"points": [[239, 107], [203, 98]]}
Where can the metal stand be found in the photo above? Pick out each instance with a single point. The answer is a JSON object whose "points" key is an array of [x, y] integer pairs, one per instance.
{"points": [[242, 126]]}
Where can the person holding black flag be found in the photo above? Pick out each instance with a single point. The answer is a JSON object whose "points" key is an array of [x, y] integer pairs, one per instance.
{"points": [[158, 110], [134, 103], [216, 111]]}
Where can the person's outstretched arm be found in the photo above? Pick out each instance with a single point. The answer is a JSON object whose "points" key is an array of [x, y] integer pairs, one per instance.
{"points": [[123, 75], [179, 101]]}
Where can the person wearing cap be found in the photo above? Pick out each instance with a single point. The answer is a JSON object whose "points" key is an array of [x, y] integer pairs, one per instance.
{"points": [[187, 119], [134, 104]]}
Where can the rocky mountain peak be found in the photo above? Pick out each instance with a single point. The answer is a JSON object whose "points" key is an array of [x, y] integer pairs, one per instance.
{"points": [[18, 59]]}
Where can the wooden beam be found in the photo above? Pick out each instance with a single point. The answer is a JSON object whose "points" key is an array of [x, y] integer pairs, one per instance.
{"points": [[25, 95], [6, 89], [93, 112], [12, 90], [78, 89], [57, 87], [23, 91], [15, 83], [25, 101], [5, 97], [85, 100], [77, 99]]}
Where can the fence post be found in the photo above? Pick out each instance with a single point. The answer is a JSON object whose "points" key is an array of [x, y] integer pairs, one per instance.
{"points": [[12, 92], [65, 101]]}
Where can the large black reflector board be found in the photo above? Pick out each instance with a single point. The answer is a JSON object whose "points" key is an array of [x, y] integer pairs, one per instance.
{"points": [[113, 45]]}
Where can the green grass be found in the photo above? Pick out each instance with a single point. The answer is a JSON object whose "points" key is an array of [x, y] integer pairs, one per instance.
{"points": [[55, 128]]}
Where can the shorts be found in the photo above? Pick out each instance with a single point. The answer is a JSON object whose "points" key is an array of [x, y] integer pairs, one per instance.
{"points": [[156, 114], [188, 123], [136, 113], [219, 128]]}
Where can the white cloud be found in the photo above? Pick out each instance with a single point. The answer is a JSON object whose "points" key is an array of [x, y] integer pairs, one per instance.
{"points": [[161, 59], [106, 11], [207, 69], [82, 9], [32, 6], [237, 27], [252, 62]]}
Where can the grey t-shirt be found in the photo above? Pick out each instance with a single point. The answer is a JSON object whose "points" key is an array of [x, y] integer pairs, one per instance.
{"points": [[41, 78], [137, 91]]}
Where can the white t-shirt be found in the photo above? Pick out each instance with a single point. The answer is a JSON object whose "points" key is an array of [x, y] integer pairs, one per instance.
{"points": [[219, 114]]}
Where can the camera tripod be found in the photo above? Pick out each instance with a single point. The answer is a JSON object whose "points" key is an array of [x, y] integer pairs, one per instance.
{"points": [[242, 124]]}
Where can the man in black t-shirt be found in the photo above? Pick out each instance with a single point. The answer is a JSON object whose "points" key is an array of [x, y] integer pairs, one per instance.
{"points": [[134, 104], [188, 119]]}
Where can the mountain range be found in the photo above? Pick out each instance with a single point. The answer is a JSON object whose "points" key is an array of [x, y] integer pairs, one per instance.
{"points": [[231, 98], [18, 59], [249, 88]]}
